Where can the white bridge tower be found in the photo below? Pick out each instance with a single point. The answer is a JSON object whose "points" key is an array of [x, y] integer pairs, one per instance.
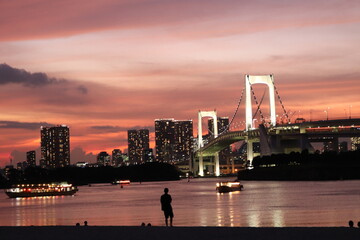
{"points": [[213, 115], [250, 80]]}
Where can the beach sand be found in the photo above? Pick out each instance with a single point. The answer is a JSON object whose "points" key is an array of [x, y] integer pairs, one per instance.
{"points": [[175, 233]]}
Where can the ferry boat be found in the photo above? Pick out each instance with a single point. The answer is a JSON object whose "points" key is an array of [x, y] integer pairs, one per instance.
{"points": [[39, 190], [225, 187], [121, 182]]}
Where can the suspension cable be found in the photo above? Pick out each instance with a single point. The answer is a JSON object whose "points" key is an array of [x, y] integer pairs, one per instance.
{"points": [[258, 108], [282, 105], [224, 129], [257, 104]]}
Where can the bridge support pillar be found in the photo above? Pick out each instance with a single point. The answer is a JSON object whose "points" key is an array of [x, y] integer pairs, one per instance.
{"points": [[250, 152], [217, 164], [201, 165]]}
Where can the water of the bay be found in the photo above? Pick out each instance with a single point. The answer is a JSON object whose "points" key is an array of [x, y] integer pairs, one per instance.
{"points": [[195, 203]]}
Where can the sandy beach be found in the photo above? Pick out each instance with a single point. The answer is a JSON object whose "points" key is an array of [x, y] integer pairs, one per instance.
{"points": [[176, 233]]}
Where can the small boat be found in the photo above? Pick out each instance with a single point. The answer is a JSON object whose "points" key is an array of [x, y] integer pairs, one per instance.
{"points": [[225, 187], [39, 190], [121, 182]]}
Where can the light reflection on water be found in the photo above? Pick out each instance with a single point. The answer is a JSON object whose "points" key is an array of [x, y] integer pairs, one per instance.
{"points": [[270, 204]]}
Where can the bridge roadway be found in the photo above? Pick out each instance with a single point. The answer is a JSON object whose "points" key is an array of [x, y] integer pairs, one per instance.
{"points": [[315, 132]]}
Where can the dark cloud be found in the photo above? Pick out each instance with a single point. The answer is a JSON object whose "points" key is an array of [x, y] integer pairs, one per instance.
{"points": [[108, 128], [23, 125], [79, 155], [82, 89], [9, 74], [20, 156]]}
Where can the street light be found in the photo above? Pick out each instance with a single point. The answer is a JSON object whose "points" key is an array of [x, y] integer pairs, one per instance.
{"points": [[327, 113], [350, 106]]}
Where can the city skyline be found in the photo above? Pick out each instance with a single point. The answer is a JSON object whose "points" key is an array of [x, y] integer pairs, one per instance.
{"points": [[108, 66]]}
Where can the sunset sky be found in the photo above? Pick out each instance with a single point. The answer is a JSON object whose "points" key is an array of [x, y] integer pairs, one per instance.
{"points": [[104, 66]]}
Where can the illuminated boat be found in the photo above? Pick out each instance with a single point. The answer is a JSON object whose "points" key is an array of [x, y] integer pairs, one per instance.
{"points": [[121, 182], [39, 190], [225, 187]]}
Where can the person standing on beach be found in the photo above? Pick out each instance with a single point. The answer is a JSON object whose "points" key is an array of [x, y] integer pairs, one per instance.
{"points": [[166, 206]]}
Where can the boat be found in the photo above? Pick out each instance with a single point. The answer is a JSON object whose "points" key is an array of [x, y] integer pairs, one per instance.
{"points": [[39, 190], [225, 187], [121, 182]]}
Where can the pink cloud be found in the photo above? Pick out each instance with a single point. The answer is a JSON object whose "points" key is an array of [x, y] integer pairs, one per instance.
{"points": [[40, 19]]}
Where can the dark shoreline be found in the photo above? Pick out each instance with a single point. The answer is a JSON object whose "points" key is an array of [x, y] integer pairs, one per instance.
{"points": [[176, 233]]}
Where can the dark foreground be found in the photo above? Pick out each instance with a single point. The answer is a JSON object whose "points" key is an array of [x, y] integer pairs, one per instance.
{"points": [[176, 233]]}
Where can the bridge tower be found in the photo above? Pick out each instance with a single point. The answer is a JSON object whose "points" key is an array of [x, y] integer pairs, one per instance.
{"points": [[250, 80], [213, 115]]}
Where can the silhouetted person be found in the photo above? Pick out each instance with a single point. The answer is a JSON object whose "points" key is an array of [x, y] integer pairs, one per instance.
{"points": [[149, 224], [351, 223], [85, 223], [358, 224], [166, 206], [77, 224], [143, 224]]}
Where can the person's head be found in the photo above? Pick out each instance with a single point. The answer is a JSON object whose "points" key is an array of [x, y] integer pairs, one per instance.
{"points": [[359, 224], [143, 224], [85, 223], [351, 223], [77, 224], [166, 190]]}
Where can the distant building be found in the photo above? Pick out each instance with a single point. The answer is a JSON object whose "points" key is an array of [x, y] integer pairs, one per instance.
{"points": [[138, 141], [21, 165], [8, 169], [355, 143], [173, 139], [343, 146], [126, 161], [55, 146], [31, 158], [42, 163], [330, 146], [116, 158], [81, 164], [103, 159], [149, 155], [92, 165]]}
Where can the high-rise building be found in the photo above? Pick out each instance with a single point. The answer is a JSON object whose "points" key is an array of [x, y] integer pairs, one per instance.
{"points": [[222, 124], [55, 146], [103, 159], [117, 158], [183, 137], [138, 141], [164, 139], [31, 158], [173, 139]]}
